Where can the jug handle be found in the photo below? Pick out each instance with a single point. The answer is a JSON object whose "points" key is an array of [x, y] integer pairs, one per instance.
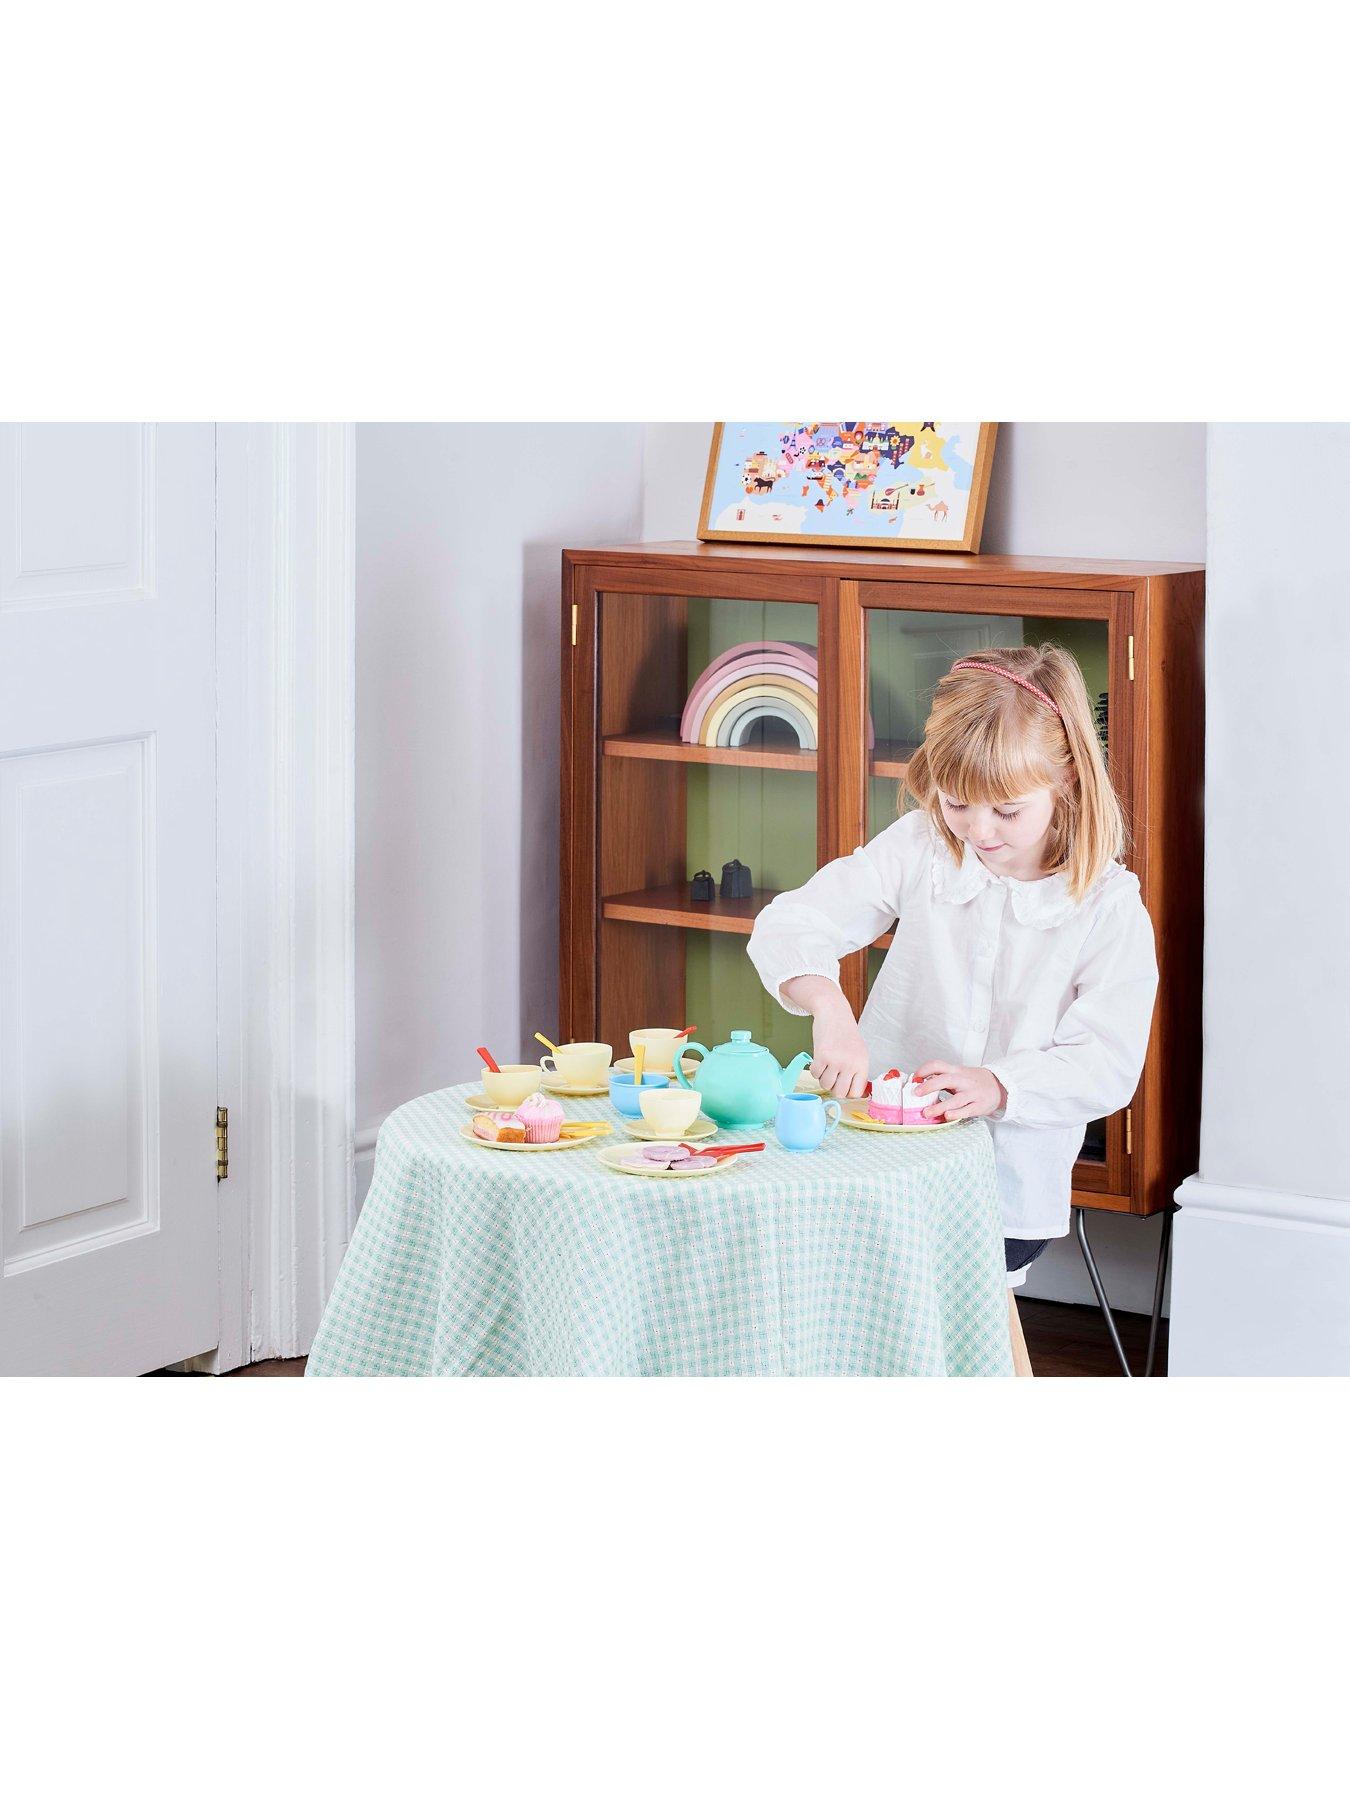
{"points": [[680, 1055]]}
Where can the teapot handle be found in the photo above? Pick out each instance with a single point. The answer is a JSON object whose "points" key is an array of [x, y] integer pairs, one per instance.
{"points": [[680, 1054]]}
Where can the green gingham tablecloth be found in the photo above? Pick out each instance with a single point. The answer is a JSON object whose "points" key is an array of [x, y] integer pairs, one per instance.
{"points": [[874, 1255]]}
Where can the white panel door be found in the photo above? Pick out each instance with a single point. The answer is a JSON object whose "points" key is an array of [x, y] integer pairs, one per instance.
{"points": [[107, 897]]}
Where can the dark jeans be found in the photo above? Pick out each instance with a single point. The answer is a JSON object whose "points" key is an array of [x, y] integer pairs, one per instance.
{"points": [[1019, 1252]]}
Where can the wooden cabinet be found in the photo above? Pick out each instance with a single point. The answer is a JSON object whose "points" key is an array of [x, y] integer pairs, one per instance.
{"points": [[642, 810]]}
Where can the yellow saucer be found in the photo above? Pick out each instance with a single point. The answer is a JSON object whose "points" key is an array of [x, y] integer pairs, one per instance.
{"points": [[470, 1136], [480, 1103], [579, 1090], [702, 1127]]}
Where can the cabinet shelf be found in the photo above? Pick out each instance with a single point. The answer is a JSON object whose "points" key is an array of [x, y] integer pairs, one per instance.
{"points": [[887, 758], [669, 746], [672, 906], [890, 758]]}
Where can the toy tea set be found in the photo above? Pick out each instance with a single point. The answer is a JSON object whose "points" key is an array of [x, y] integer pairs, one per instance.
{"points": [[677, 1102]]}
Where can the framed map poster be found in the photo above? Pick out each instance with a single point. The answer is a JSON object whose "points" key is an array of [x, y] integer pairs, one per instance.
{"points": [[916, 486]]}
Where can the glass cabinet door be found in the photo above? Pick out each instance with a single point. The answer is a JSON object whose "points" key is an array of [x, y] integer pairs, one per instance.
{"points": [[908, 652], [708, 756]]}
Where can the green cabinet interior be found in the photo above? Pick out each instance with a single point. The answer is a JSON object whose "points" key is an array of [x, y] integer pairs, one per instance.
{"points": [[766, 817], [909, 652]]}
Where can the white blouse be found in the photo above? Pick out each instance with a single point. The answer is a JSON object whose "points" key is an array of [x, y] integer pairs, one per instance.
{"points": [[1054, 996]]}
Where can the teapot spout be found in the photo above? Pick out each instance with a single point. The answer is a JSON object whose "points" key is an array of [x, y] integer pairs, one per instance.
{"points": [[789, 1075]]}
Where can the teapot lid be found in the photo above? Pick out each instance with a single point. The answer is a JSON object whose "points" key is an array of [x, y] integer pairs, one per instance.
{"points": [[741, 1042]]}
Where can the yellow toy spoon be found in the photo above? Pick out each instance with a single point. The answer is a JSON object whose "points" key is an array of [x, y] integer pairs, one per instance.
{"points": [[544, 1041]]}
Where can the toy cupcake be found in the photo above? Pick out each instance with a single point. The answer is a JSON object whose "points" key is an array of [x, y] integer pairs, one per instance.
{"points": [[542, 1118]]}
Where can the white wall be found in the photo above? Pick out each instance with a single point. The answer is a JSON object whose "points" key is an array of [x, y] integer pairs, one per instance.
{"points": [[1057, 490], [1263, 1239], [459, 530]]}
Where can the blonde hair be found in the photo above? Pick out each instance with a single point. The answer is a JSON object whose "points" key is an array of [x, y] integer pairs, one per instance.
{"points": [[988, 741]]}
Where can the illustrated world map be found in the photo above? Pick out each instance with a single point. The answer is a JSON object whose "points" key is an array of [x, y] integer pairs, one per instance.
{"points": [[845, 478]]}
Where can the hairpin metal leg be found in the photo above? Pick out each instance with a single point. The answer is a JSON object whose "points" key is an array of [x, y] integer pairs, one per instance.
{"points": [[1164, 1258], [1080, 1223]]}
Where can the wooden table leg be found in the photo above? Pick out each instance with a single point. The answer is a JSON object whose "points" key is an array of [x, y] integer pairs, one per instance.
{"points": [[1021, 1361]]}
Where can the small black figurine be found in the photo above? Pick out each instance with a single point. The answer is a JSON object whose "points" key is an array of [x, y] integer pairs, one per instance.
{"points": [[1103, 720], [735, 880], [701, 887]]}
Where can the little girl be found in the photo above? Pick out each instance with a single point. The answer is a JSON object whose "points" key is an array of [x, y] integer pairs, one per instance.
{"points": [[1022, 975]]}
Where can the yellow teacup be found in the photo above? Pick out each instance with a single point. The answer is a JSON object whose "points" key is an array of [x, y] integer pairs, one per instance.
{"points": [[583, 1064], [669, 1110], [511, 1083], [660, 1042]]}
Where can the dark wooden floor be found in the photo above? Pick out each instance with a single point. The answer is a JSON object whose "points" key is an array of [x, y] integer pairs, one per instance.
{"points": [[1062, 1340], [1072, 1340]]}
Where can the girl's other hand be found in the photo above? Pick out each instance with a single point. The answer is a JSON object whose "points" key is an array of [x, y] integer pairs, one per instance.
{"points": [[840, 1060], [974, 1092]]}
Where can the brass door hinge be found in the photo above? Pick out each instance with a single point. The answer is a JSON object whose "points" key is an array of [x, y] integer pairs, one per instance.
{"points": [[1129, 1131], [222, 1143], [1131, 655], [574, 624]]}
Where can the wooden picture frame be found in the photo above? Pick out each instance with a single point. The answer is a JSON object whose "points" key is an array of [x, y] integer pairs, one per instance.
{"points": [[856, 485]]}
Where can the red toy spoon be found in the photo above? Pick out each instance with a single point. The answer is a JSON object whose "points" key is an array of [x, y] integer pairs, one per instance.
{"points": [[720, 1149], [487, 1058]]}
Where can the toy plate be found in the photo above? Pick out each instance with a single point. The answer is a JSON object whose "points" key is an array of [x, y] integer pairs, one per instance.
{"points": [[613, 1158], [579, 1090], [470, 1136], [859, 1119]]}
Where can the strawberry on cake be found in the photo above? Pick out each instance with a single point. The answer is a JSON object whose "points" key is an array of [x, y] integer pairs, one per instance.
{"points": [[894, 1100]]}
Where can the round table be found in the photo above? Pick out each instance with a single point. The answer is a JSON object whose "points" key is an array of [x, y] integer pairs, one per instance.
{"points": [[875, 1255]]}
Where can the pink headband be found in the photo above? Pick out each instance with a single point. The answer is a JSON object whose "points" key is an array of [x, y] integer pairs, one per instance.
{"points": [[995, 669]]}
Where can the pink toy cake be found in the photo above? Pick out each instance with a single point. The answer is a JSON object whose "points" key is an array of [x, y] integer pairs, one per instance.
{"points": [[542, 1118], [498, 1127], [895, 1102]]}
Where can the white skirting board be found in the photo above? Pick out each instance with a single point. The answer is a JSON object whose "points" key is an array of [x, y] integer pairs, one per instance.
{"points": [[1260, 1283]]}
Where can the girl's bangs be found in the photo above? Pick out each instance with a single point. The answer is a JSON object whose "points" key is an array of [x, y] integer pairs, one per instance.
{"points": [[987, 766]]}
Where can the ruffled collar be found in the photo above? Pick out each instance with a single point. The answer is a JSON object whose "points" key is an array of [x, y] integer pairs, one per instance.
{"points": [[1042, 904]]}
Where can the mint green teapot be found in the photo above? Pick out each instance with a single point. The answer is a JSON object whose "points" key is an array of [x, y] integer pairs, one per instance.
{"points": [[740, 1083]]}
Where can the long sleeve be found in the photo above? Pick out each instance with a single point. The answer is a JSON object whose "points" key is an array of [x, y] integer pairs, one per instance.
{"points": [[1094, 1062], [843, 907]]}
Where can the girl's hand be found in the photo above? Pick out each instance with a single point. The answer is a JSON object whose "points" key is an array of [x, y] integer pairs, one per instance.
{"points": [[840, 1061], [974, 1092]]}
